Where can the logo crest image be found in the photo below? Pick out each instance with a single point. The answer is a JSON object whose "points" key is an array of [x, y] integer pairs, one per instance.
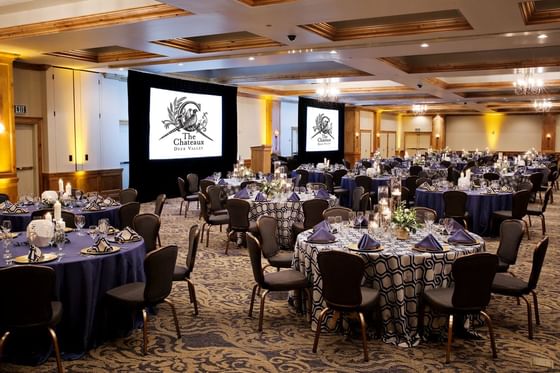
{"points": [[185, 115], [323, 126]]}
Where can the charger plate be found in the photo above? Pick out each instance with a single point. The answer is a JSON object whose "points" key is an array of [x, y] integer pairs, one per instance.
{"points": [[43, 259], [91, 251]]}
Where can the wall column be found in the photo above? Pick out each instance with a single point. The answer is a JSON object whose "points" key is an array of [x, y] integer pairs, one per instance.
{"points": [[8, 176], [377, 130], [351, 128], [438, 132], [548, 137]]}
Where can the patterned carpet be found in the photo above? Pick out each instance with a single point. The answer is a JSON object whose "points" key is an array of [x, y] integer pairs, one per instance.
{"points": [[222, 338]]}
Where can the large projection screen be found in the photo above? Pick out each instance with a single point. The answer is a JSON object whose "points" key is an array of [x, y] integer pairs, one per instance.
{"points": [[322, 130]]}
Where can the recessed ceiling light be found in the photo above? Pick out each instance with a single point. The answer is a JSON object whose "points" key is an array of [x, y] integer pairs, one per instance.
{"points": [[121, 69], [251, 58], [424, 45], [180, 64], [333, 52], [542, 36]]}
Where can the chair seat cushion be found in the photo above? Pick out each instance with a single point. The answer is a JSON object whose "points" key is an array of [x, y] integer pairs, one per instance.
{"points": [[192, 198], [220, 212], [285, 280], [534, 212], [282, 259], [439, 298], [218, 219], [132, 293], [506, 284], [180, 273]]}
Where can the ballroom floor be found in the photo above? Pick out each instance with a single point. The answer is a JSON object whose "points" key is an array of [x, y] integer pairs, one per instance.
{"points": [[222, 338]]}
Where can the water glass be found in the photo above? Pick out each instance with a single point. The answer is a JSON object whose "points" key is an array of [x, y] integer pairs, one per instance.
{"points": [[79, 222], [103, 227], [338, 222], [429, 221], [93, 232], [59, 239], [351, 218], [331, 220], [6, 226]]}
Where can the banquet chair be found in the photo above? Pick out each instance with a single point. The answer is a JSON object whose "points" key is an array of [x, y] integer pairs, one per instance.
{"points": [[445, 164], [217, 201], [410, 183], [268, 232], [506, 284], [473, 275], [127, 212], [25, 310], [455, 206], [415, 170], [160, 202], [204, 184], [535, 178], [491, 176], [343, 212], [453, 175], [158, 267], [519, 203], [185, 196], [540, 212], [209, 218], [4, 197], [67, 216], [366, 183], [192, 183], [407, 197], [312, 215], [338, 190], [422, 213], [524, 185], [183, 273], [366, 164], [147, 226], [329, 183], [342, 275], [304, 177], [360, 199], [238, 212], [511, 234], [128, 195], [286, 280]]}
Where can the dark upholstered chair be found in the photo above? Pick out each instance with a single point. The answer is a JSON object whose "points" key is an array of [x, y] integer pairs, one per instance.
{"points": [[337, 182], [344, 212], [524, 185], [128, 195], [127, 212], [540, 212], [216, 199], [357, 194], [158, 267], [25, 310], [519, 203], [473, 275], [204, 184], [329, 183], [312, 215], [238, 212], [304, 179], [455, 206], [491, 176], [536, 179], [192, 183], [67, 216], [415, 170], [268, 232], [511, 234], [147, 226], [407, 197], [366, 164], [285, 280], [342, 275], [183, 273], [160, 202], [185, 194], [210, 220], [424, 212], [4, 197], [506, 284], [410, 183]]}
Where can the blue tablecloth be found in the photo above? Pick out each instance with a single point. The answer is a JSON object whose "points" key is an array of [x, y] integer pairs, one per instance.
{"points": [[81, 283], [315, 176], [349, 183], [480, 207], [20, 221]]}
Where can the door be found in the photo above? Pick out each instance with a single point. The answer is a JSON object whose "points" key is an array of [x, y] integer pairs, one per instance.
{"points": [[391, 144], [27, 159], [294, 140], [383, 145], [416, 143], [365, 144]]}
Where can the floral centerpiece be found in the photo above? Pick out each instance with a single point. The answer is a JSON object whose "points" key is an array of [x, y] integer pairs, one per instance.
{"points": [[404, 221], [273, 187]]}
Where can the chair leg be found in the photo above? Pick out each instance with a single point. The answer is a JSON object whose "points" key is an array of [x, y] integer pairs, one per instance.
{"points": [[491, 332], [2, 341], [253, 299], [527, 229], [543, 224], [364, 339], [261, 314], [56, 350], [449, 338], [319, 325], [145, 331], [530, 222], [420, 326], [208, 235], [158, 240], [181, 207], [536, 305], [202, 233], [309, 303], [175, 320], [529, 317], [192, 295], [186, 208]]}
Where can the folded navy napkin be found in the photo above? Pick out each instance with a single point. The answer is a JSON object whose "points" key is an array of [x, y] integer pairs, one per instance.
{"points": [[127, 235], [243, 194], [360, 221], [260, 197], [461, 237], [5, 205], [92, 206], [34, 254], [102, 246], [269, 177], [455, 226], [321, 236], [221, 182], [322, 194], [322, 225], [110, 202], [429, 243], [293, 197], [368, 243], [13, 209]]}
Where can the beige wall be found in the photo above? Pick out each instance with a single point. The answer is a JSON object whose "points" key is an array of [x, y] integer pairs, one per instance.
{"points": [[29, 88], [366, 120], [251, 122], [421, 123], [389, 122]]}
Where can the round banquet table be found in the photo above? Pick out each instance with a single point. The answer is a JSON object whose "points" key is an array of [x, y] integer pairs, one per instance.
{"points": [[81, 283], [479, 205], [398, 272], [20, 221], [349, 183]]}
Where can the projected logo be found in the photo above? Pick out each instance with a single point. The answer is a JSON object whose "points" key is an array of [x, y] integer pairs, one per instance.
{"points": [[184, 115], [322, 129]]}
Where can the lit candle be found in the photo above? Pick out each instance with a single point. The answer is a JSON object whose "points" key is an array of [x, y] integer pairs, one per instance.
{"points": [[60, 186], [48, 216], [68, 189], [57, 211]]}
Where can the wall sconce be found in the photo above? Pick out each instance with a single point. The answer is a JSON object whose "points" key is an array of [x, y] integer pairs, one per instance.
{"points": [[2, 128], [276, 134], [357, 134], [548, 136], [437, 140]]}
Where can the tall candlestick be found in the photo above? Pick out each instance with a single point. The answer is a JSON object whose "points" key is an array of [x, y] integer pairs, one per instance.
{"points": [[68, 189], [60, 186], [57, 211]]}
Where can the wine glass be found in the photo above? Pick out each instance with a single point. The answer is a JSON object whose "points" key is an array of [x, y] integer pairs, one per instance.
{"points": [[6, 227], [331, 220], [59, 239], [338, 222], [103, 227], [429, 221], [351, 218], [79, 222], [93, 232]]}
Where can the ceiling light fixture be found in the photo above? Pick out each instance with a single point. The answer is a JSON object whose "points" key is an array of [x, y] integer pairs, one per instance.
{"points": [[419, 109], [542, 36], [251, 58], [528, 82], [328, 90], [424, 45], [543, 105]]}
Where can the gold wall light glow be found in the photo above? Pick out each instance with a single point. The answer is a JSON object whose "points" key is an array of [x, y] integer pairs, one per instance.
{"points": [[492, 124], [2, 128]]}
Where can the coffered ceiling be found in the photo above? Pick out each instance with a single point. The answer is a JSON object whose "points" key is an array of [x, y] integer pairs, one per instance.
{"points": [[454, 55]]}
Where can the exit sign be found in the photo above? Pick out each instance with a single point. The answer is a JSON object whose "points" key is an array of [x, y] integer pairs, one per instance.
{"points": [[20, 109]]}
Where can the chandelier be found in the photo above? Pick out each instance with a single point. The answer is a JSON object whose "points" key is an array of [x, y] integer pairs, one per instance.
{"points": [[528, 82], [543, 105], [328, 90], [419, 109]]}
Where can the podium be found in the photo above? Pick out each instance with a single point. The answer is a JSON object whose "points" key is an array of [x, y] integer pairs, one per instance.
{"points": [[260, 158]]}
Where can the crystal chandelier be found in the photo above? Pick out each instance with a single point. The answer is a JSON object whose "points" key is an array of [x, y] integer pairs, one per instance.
{"points": [[419, 109], [328, 91], [543, 105], [528, 82]]}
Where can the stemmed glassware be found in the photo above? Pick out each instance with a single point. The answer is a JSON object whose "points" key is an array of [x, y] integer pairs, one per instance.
{"points": [[79, 222], [338, 222], [103, 227], [6, 228], [93, 233], [429, 221], [59, 239]]}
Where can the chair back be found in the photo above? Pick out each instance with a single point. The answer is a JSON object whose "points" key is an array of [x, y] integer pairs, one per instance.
{"points": [[473, 275], [215, 197], [453, 175], [337, 176], [423, 213], [415, 170], [356, 195], [313, 212], [192, 179], [546, 198], [304, 177], [364, 181], [160, 201], [158, 267], [203, 201], [337, 211], [406, 196], [511, 234], [342, 275], [128, 195], [204, 184], [422, 180], [26, 293], [268, 231], [519, 203], [127, 212], [4, 197], [536, 178], [238, 211], [194, 234], [67, 216], [410, 183], [366, 164], [454, 203], [182, 189], [538, 261], [147, 226], [254, 249], [445, 164], [525, 185], [491, 176], [329, 183]]}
